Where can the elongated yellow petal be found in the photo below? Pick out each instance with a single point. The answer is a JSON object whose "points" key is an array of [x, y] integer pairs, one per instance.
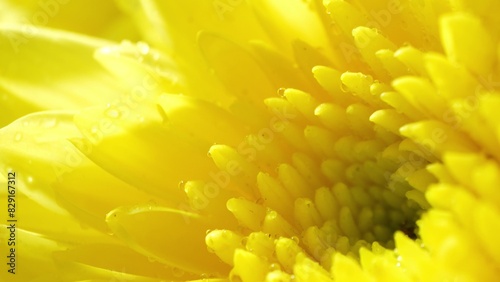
{"points": [[236, 68], [112, 127], [224, 243], [249, 214], [69, 15], [28, 145], [32, 251], [306, 269], [64, 227], [456, 30], [111, 258], [435, 137], [274, 18], [248, 267], [185, 248], [40, 67], [88, 200], [346, 269]]}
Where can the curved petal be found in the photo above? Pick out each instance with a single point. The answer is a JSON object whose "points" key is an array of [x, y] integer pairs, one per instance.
{"points": [[41, 67], [170, 236]]}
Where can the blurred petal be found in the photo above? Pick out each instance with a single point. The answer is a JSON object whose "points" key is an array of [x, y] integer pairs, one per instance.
{"points": [[185, 248], [40, 68]]}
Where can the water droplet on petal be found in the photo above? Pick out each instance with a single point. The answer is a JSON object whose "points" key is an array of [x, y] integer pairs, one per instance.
{"points": [[112, 113], [143, 48], [18, 137], [344, 87], [281, 92], [49, 122], [244, 241], [151, 259], [177, 272], [151, 204], [30, 179], [140, 118], [274, 266], [295, 239]]}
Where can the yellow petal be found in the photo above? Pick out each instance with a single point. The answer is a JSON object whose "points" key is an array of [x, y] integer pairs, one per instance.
{"points": [[101, 192], [369, 41], [37, 146], [201, 119], [185, 247], [249, 214], [70, 15], [261, 244], [412, 58], [436, 137], [64, 227], [466, 41], [233, 163], [306, 269], [236, 68], [32, 251], [389, 119], [286, 252], [359, 84], [451, 79], [40, 69], [280, 68], [393, 66], [310, 29], [486, 226], [306, 213], [248, 267], [422, 95], [275, 195], [346, 269], [224, 243], [114, 129], [111, 258], [209, 198], [276, 225]]}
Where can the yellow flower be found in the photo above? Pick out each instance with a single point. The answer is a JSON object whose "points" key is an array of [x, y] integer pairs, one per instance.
{"points": [[255, 141]]}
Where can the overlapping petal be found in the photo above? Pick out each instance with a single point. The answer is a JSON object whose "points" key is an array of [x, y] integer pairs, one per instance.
{"points": [[360, 143]]}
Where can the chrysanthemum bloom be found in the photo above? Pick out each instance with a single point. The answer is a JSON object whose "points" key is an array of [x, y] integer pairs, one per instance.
{"points": [[346, 141]]}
